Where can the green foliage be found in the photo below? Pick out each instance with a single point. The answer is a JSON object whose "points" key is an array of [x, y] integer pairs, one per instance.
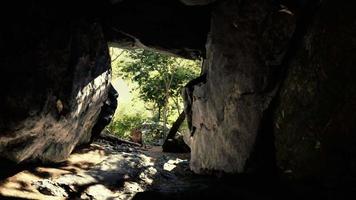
{"points": [[152, 132], [159, 77], [155, 81], [123, 127]]}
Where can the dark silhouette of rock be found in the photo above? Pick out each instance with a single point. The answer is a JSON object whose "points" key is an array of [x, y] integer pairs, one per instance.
{"points": [[245, 49], [166, 26], [106, 113], [54, 79]]}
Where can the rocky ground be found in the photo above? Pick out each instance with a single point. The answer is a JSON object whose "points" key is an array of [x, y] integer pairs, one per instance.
{"points": [[101, 171], [107, 171]]}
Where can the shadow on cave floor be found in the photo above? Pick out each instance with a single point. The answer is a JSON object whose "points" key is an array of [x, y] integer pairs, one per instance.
{"points": [[106, 171]]}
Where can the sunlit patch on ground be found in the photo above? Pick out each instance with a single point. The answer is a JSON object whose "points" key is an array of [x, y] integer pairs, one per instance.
{"points": [[171, 164], [100, 171]]}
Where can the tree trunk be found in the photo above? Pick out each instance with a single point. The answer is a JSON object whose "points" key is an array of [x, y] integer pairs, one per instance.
{"points": [[168, 87], [164, 121], [175, 127], [173, 144], [159, 114], [116, 140], [176, 101]]}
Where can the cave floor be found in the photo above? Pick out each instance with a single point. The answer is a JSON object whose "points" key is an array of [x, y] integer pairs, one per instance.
{"points": [[107, 171], [103, 171]]}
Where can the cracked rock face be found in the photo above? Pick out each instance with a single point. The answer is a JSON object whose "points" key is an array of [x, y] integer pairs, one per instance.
{"points": [[54, 80], [315, 121], [276, 90], [245, 49]]}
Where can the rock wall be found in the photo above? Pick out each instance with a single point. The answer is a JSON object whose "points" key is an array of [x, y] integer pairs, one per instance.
{"points": [[280, 90], [166, 26], [55, 71], [106, 114], [55, 66], [246, 46], [315, 120]]}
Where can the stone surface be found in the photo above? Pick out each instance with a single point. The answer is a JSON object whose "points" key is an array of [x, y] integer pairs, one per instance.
{"points": [[315, 119], [245, 49], [54, 66], [280, 91], [50, 188], [106, 114], [197, 2], [176, 144], [54, 80], [106, 171], [166, 26]]}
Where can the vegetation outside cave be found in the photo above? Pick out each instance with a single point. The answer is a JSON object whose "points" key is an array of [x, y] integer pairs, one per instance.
{"points": [[149, 86]]}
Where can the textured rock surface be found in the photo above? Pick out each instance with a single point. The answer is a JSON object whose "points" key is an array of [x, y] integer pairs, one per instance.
{"points": [[176, 145], [54, 63], [245, 49], [280, 89], [197, 2], [103, 170], [167, 26], [54, 78], [106, 114], [315, 119]]}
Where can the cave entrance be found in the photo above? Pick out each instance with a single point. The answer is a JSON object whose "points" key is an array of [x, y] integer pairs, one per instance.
{"points": [[149, 84], [149, 102]]}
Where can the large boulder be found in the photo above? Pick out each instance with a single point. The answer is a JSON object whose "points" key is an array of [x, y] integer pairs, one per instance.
{"points": [[106, 114], [280, 90], [55, 72], [315, 120], [244, 53], [166, 26]]}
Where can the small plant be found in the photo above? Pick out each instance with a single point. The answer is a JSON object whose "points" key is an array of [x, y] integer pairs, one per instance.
{"points": [[122, 127]]}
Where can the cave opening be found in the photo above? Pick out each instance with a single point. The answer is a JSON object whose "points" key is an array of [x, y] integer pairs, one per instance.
{"points": [[272, 114], [150, 86]]}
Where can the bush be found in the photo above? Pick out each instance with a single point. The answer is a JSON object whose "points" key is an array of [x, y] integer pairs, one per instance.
{"points": [[122, 127], [152, 132]]}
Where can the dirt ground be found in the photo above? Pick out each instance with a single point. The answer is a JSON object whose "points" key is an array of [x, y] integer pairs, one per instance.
{"points": [[100, 171], [113, 172]]}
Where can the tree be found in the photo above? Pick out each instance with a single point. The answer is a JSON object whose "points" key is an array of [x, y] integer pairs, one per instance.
{"points": [[160, 79]]}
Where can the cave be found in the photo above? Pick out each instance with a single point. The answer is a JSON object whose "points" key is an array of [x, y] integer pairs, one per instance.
{"points": [[276, 109]]}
